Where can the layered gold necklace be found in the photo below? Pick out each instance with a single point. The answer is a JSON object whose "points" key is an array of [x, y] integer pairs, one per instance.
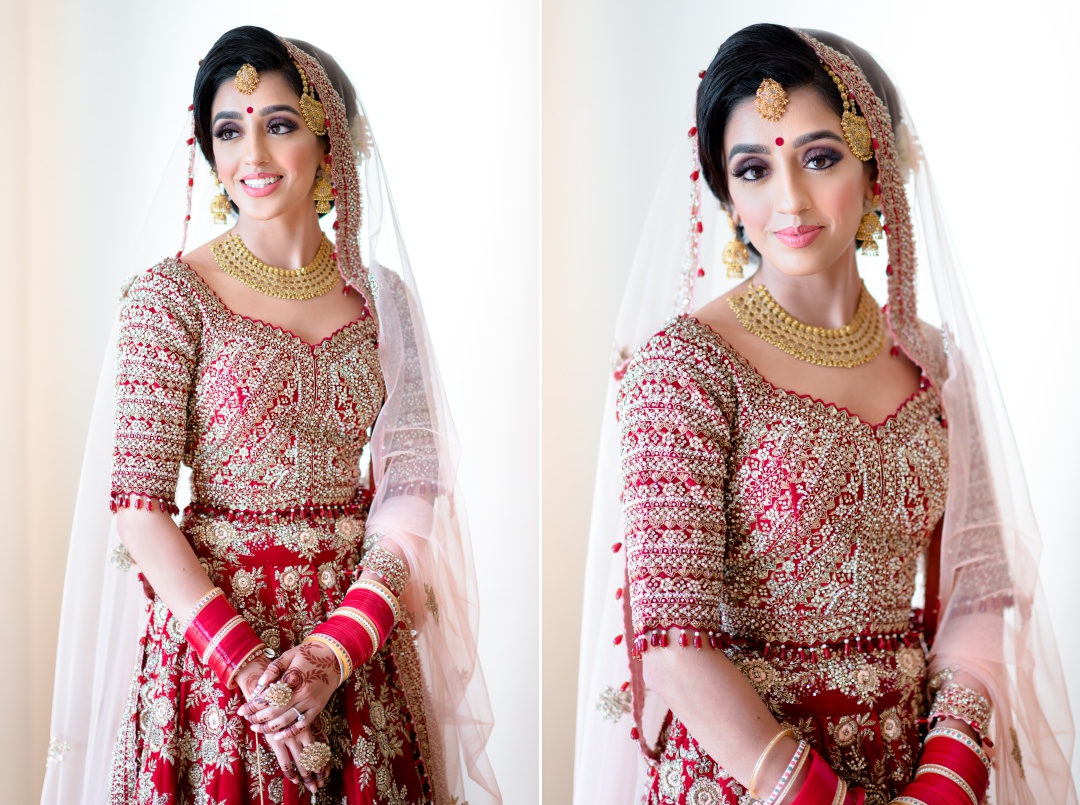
{"points": [[857, 342], [315, 279]]}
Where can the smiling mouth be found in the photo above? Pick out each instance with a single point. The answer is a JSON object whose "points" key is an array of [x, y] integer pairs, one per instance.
{"points": [[261, 182]]}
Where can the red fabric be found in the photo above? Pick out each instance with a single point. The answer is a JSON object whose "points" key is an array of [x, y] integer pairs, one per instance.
{"points": [[181, 736]]}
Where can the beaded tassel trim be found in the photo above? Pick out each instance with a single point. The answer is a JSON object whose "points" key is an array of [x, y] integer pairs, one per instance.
{"points": [[716, 639]]}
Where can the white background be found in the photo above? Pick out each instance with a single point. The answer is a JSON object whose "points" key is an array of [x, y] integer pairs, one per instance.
{"points": [[96, 95], [992, 91]]}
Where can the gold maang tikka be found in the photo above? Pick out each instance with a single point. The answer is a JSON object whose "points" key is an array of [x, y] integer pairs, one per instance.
{"points": [[247, 79], [856, 129], [771, 100], [310, 108]]}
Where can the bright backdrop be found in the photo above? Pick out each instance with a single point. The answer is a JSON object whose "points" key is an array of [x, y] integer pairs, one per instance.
{"points": [[990, 88], [97, 93]]}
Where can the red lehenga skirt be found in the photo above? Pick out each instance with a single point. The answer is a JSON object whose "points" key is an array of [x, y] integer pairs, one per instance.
{"points": [[181, 740], [857, 704]]}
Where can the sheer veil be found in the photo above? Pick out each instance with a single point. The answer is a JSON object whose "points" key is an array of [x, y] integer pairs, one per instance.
{"points": [[993, 621], [413, 454]]}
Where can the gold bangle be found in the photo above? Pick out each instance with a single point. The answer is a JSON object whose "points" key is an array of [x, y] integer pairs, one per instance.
{"points": [[841, 791], [200, 605], [948, 774], [211, 647], [794, 774], [761, 758], [365, 622], [383, 592]]}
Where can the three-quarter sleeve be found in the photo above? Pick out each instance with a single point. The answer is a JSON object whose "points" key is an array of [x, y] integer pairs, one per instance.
{"points": [[675, 443], [156, 353]]}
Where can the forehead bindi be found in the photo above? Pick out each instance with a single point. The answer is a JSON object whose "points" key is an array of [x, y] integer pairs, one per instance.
{"points": [[806, 111], [273, 90]]}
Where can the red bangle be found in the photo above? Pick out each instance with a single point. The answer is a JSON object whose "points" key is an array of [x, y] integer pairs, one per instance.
{"points": [[221, 638], [375, 607], [819, 785], [350, 636], [207, 622]]}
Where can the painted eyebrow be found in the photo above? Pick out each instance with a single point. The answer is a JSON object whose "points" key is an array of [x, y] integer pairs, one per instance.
{"points": [[281, 107], [798, 142], [746, 148], [824, 134], [266, 110]]}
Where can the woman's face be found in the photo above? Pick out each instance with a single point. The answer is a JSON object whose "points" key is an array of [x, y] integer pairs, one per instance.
{"points": [[266, 155], [795, 185]]}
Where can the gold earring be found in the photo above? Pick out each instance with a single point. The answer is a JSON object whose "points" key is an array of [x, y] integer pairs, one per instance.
{"points": [[869, 230], [219, 204], [323, 193], [735, 254]]}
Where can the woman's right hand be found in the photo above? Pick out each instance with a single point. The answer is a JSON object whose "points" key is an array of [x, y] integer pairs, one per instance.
{"points": [[287, 751]]}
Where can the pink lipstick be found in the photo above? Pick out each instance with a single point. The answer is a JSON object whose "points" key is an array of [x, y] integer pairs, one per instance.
{"points": [[798, 237], [260, 184]]}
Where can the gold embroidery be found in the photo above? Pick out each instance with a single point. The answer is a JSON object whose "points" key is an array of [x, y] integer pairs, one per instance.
{"points": [[1016, 754], [724, 475], [431, 604]]}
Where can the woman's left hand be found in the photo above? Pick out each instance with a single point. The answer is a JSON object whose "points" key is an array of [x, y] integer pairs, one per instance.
{"points": [[312, 671]]}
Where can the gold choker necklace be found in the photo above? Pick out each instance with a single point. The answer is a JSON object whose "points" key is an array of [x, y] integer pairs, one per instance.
{"points": [[857, 342], [315, 279]]}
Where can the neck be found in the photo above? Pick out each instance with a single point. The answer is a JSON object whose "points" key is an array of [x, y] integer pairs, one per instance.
{"points": [[825, 299], [288, 241]]}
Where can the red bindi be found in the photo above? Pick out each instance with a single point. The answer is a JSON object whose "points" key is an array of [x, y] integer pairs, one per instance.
{"points": [[250, 110], [779, 140]]}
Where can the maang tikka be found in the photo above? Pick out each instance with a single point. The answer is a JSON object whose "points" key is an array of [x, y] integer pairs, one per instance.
{"points": [[771, 100]]}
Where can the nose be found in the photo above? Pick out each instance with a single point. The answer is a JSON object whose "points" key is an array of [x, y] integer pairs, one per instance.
{"points": [[255, 150], [793, 197]]}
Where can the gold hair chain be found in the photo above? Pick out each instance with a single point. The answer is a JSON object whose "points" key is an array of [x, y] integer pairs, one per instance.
{"points": [[857, 342], [315, 279]]}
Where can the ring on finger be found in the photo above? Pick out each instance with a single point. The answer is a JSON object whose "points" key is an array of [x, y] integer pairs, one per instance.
{"points": [[278, 694], [315, 756]]}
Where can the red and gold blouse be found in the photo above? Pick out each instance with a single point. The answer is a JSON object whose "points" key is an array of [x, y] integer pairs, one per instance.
{"points": [[787, 532]]}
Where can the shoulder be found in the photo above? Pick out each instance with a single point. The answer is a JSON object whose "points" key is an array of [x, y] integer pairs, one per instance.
{"points": [[169, 290], [685, 354]]}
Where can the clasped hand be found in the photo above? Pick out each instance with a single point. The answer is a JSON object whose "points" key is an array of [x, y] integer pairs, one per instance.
{"points": [[311, 671]]}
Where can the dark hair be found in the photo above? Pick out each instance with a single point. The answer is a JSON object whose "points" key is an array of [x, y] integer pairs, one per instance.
{"points": [[769, 51], [267, 54]]}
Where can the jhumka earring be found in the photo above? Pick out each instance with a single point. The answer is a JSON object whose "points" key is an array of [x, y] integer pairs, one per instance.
{"points": [[323, 193], [869, 230], [735, 254], [219, 204]]}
